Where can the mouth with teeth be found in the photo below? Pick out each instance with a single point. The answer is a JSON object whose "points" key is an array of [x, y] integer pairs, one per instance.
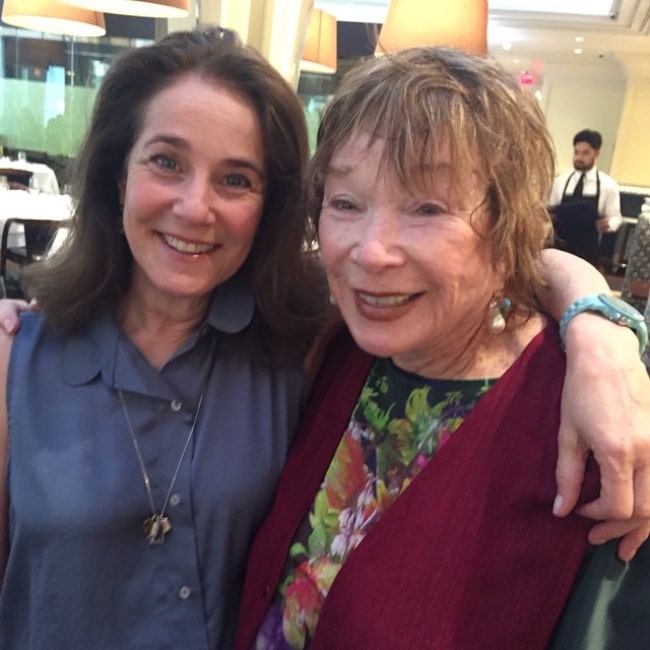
{"points": [[393, 300], [186, 247]]}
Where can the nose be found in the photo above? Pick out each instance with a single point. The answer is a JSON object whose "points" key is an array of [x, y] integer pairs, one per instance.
{"points": [[195, 201], [377, 244]]}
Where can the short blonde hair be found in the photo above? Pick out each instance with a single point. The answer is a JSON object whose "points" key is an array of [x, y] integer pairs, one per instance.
{"points": [[422, 98]]}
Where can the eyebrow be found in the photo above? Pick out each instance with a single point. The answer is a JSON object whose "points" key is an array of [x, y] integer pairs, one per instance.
{"points": [[338, 171], [341, 170], [184, 146]]}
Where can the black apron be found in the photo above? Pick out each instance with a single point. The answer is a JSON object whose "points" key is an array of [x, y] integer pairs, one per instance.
{"points": [[575, 226]]}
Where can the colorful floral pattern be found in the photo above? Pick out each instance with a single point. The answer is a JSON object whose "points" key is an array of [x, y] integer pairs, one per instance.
{"points": [[399, 422]]}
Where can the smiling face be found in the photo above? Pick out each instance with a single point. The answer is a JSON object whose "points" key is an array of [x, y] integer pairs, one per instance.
{"points": [[410, 270], [193, 192]]}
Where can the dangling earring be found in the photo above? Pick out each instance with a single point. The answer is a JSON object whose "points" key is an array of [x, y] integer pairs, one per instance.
{"points": [[497, 313], [332, 299]]}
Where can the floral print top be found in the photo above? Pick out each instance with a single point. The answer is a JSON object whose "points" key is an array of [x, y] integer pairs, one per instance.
{"points": [[398, 423]]}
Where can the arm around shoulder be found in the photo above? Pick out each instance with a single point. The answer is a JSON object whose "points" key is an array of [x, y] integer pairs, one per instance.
{"points": [[605, 409], [5, 351]]}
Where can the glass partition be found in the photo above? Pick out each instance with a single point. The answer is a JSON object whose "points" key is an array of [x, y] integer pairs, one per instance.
{"points": [[48, 85]]}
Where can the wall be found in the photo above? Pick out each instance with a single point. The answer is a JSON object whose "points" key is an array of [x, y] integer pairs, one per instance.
{"points": [[583, 98], [631, 163], [614, 100]]}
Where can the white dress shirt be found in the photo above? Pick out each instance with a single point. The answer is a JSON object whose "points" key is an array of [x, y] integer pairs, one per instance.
{"points": [[609, 201]]}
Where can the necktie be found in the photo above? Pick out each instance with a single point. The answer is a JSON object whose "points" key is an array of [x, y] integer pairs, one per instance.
{"points": [[577, 192]]}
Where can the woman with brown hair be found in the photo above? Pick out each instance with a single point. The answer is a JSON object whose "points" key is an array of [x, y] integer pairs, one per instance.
{"points": [[150, 405]]}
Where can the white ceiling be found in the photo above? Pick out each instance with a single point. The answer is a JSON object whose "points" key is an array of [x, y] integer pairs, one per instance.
{"points": [[542, 34]]}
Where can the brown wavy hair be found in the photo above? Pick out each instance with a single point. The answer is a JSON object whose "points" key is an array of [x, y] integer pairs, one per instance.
{"points": [[93, 270], [421, 99]]}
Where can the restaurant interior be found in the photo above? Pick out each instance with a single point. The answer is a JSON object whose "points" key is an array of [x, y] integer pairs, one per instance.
{"points": [[587, 63]]}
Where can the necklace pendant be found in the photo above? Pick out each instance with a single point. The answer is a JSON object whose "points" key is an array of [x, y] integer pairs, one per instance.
{"points": [[155, 528]]}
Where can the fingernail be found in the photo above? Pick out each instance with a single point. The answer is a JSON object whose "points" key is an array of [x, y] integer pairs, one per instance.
{"points": [[557, 504], [8, 325]]}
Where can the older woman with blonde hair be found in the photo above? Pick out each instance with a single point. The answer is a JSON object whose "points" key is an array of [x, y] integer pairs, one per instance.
{"points": [[415, 510]]}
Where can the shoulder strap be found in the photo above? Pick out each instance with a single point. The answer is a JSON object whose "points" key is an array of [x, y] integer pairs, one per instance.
{"points": [[567, 183]]}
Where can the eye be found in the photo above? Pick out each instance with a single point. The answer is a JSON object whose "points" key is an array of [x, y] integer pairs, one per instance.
{"points": [[164, 162], [236, 180], [430, 209], [342, 204]]}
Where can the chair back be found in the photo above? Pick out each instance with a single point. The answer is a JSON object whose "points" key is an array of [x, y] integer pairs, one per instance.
{"points": [[38, 233], [636, 283], [19, 179]]}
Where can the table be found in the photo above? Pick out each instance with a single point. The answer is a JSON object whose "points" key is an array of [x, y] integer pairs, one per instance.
{"points": [[44, 177], [19, 204]]}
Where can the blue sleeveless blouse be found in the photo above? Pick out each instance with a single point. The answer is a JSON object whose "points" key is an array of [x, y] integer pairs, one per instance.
{"points": [[80, 573]]}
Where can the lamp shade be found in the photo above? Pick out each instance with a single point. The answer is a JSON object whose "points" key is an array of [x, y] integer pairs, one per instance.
{"points": [[53, 17], [319, 53], [147, 8], [453, 23]]}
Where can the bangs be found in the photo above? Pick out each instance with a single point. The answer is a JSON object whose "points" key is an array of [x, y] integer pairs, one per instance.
{"points": [[426, 121]]}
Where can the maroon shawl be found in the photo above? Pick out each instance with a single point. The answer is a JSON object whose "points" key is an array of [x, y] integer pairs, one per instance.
{"points": [[470, 555]]}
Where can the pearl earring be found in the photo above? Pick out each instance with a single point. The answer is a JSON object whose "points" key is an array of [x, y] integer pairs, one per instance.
{"points": [[497, 313]]}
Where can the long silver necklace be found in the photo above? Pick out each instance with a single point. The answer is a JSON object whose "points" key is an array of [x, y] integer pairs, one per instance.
{"points": [[158, 524]]}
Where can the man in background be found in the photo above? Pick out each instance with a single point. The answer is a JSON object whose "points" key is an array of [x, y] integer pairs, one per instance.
{"points": [[588, 197]]}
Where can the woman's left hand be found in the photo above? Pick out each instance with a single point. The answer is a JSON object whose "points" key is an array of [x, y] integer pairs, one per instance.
{"points": [[608, 413]]}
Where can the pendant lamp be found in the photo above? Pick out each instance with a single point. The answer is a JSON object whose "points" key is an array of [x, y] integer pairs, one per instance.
{"points": [[454, 23], [319, 53], [53, 17], [147, 8]]}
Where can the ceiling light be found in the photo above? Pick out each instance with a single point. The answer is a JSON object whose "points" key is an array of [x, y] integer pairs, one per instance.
{"points": [[412, 23], [320, 50], [576, 7], [53, 17], [147, 8], [578, 50], [507, 47], [580, 39]]}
